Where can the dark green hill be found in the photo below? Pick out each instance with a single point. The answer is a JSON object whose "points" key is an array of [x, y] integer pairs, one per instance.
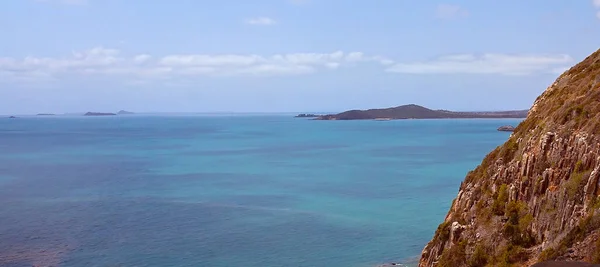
{"points": [[413, 111]]}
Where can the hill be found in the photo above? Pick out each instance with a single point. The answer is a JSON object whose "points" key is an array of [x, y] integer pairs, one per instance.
{"points": [[536, 197], [413, 111], [99, 114]]}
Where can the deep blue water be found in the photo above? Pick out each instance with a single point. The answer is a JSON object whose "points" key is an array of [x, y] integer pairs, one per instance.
{"points": [[225, 191]]}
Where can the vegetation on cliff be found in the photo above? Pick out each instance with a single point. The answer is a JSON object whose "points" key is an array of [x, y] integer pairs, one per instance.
{"points": [[534, 198]]}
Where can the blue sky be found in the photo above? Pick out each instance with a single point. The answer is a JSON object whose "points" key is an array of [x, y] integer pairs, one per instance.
{"points": [[286, 55]]}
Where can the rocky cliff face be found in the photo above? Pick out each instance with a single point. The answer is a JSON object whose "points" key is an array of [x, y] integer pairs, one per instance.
{"points": [[535, 197]]}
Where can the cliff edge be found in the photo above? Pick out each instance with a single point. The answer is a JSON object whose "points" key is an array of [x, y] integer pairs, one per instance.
{"points": [[535, 198]]}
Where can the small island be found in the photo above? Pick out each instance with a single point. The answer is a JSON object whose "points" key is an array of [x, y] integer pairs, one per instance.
{"points": [[45, 114], [12, 117], [99, 114], [413, 111], [506, 128], [124, 112]]}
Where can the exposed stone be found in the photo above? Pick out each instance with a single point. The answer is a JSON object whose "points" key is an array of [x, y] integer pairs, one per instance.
{"points": [[455, 230], [550, 166]]}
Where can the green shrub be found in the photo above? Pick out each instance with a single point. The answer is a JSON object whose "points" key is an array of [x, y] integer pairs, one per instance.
{"points": [[509, 149], [525, 221], [455, 256], [509, 255], [578, 166], [596, 204], [443, 231], [575, 184], [483, 211], [479, 257], [516, 228], [548, 254], [500, 200], [596, 254]]}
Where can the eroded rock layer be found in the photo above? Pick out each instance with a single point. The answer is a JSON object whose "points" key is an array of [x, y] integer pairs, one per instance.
{"points": [[535, 197]]}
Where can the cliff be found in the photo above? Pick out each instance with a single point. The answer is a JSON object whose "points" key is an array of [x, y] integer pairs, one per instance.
{"points": [[534, 198], [413, 111]]}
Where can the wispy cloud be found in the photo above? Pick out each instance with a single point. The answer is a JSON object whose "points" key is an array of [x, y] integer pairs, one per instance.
{"points": [[446, 11], [261, 21], [486, 64], [112, 62], [596, 4], [141, 58]]}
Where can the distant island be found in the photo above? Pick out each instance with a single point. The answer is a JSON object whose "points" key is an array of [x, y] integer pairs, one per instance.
{"points": [[506, 128], [413, 111], [45, 114], [99, 114], [304, 115], [124, 112]]}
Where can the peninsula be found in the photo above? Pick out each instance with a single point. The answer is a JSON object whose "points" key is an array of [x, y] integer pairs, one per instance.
{"points": [[413, 111], [309, 115], [536, 198]]}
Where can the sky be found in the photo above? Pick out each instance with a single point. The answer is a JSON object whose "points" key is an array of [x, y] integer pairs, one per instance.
{"points": [[61, 56]]}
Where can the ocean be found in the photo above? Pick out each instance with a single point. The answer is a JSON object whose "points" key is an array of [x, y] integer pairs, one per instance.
{"points": [[222, 191]]}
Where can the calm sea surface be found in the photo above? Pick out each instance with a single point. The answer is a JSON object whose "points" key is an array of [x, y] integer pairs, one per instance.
{"points": [[223, 191]]}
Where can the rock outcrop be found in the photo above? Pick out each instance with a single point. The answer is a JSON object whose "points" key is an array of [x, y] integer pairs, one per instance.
{"points": [[506, 128], [536, 197]]}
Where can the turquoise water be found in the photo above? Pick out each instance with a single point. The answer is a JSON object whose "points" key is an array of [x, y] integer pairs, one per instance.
{"points": [[225, 191]]}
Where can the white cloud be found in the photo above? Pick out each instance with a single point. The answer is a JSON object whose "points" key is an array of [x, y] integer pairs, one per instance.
{"points": [[446, 11], [112, 64], [485, 64], [261, 21], [209, 60], [383, 60], [332, 65], [596, 3], [137, 68], [355, 56], [141, 58]]}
